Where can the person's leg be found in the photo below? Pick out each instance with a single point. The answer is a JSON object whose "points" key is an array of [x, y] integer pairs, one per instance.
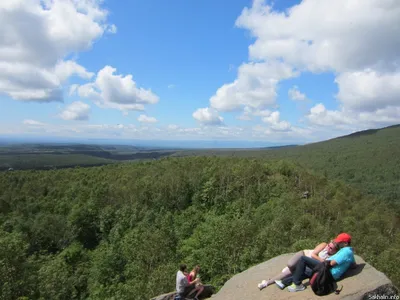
{"points": [[199, 289], [189, 290], [280, 276], [291, 265], [192, 291], [301, 267], [294, 260]]}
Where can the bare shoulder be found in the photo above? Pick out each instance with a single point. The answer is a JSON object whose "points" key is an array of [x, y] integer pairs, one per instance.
{"points": [[320, 246]]}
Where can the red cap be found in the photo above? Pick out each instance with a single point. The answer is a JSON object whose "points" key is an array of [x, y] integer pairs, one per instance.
{"points": [[343, 238]]}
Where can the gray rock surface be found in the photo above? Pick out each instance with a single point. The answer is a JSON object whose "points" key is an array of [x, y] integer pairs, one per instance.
{"points": [[361, 283]]}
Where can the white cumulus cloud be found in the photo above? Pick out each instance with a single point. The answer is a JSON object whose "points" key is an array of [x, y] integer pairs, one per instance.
{"points": [[35, 39], [110, 90], [275, 123], [65, 69], [369, 90], [208, 116], [77, 110], [255, 87], [353, 120], [338, 36], [321, 35]]}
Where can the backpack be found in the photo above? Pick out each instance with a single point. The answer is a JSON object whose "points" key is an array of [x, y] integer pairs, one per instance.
{"points": [[322, 282]]}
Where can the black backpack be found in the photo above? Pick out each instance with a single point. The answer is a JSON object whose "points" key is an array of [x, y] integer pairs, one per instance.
{"points": [[322, 282]]}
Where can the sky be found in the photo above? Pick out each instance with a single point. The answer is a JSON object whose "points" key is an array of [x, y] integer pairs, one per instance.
{"points": [[275, 72]]}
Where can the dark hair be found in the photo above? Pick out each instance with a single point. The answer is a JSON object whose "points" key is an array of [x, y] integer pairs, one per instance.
{"points": [[182, 267]]}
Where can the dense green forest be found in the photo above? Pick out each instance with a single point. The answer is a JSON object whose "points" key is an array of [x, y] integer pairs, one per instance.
{"points": [[119, 231], [369, 160]]}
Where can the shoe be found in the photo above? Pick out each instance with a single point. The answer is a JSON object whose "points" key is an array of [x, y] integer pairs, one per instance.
{"points": [[296, 288], [280, 284], [262, 285]]}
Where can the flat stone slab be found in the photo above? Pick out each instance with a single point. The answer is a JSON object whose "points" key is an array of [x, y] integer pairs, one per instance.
{"points": [[360, 283]]}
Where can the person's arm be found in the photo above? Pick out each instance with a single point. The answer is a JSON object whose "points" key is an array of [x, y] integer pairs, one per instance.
{"points": [[194, 281], [344, 255], [317, 250]]}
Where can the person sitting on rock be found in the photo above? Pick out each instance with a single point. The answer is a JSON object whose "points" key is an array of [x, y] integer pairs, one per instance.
{"points": [[339, 263], [194, 274], [320, 253], [184, 288]]}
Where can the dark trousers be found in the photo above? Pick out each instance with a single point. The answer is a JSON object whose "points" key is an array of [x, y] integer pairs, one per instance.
{"points": [[304, 262]]}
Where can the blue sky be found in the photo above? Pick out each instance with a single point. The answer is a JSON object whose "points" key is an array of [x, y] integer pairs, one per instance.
{"points": [[277, 72]]}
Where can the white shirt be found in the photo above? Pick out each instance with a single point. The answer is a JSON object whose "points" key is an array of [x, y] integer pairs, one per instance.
{"points": [[181, 282]]}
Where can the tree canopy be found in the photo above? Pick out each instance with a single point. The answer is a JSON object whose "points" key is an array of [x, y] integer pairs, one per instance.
{"points": [[120, 231]]}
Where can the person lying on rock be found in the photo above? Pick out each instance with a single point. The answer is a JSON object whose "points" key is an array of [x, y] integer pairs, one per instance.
{"points": [[339, 263], [184, 288], [320, 253]]}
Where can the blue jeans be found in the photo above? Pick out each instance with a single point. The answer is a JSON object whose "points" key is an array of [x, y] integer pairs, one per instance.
{"points": [[304, 262]]}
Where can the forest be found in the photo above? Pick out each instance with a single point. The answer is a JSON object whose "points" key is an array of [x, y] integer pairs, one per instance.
{"points": [[368, 160], [120, 231]]}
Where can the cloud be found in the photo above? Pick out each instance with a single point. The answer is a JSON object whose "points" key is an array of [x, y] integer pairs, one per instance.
{"points": [[247, 114], [33, 122], [351, 120], [172, 127], [32, 62], [146, 119], [207, 116], [77, 110], [368, 90], [116, 91], [329, 36], [73, 89], [131, 132], [255, 87], [288, 136], [112, 28], [275, 123], [323, 35], [65, 69], [295, 94], [171, 86], [244, 117], [319, 115]]}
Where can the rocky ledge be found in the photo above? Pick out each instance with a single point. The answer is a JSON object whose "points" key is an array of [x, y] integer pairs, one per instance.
{"points": [[363, 282]]}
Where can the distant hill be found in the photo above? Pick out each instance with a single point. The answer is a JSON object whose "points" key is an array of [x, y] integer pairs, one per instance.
{"points": [[367, 132], [368, 159], [65, 155]]}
